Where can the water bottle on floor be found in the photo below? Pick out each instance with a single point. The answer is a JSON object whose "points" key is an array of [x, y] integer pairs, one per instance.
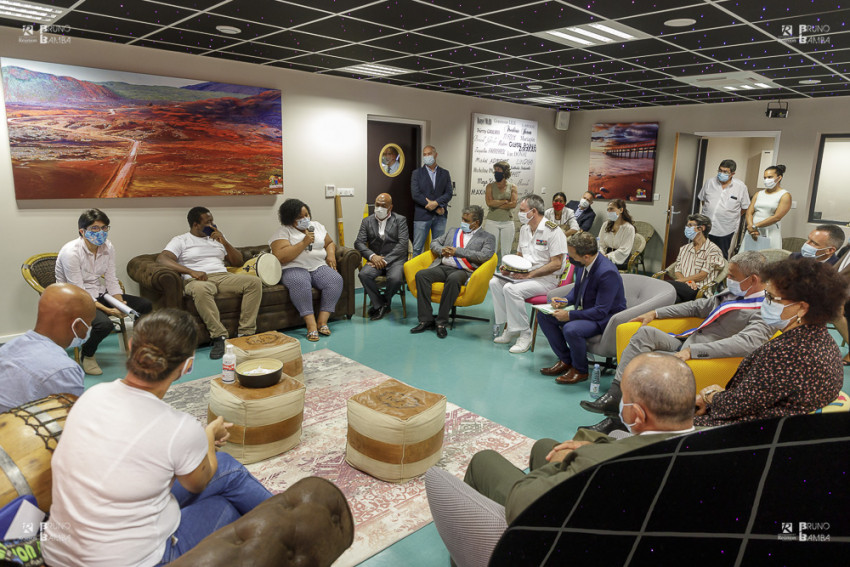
{"points": [[595, 376], [228, 365]]}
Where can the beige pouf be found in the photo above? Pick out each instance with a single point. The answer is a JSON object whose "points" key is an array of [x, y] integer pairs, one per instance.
{"points": [[395, 432], [271, 345], [266, 421]]}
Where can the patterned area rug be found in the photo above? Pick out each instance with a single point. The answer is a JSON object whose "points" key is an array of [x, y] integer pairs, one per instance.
{"points": [[383, 512]]}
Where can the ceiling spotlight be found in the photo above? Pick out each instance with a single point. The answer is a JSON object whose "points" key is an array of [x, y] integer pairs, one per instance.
{"points": [[810, 81], [534, 87], [229, 30], [680, 22]]}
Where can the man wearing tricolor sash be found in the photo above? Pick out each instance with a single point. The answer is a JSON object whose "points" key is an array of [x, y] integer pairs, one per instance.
{"points": [[458, 253], [732, 327]]}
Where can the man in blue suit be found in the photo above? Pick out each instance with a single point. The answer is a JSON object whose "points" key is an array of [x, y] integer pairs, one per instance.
{"points": [[597, 295], [431, 187]]}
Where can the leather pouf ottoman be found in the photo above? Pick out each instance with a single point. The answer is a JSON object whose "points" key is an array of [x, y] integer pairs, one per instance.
{"points": [[266, 421], [395, 432], [271, 345]]}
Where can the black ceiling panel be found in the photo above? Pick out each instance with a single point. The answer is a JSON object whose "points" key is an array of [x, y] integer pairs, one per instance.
{"points": [[471, 31], [616, 9], [269, 12], [411, 43], [636, 48], [755, 11], [543, 17], [334, 6], [340, 27], [464, 55], [192, 39], [366, 53], [404, 14], [92, 22], [522, 45], [719, 37], [137, 11], [475, 7], [323, 60], [302, 41], [417, 63], [670, 60], [263, 50], [707, 17], [207, 23]]}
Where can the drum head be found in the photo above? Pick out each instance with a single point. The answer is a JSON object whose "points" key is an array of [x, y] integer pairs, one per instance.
{"points": [[268, 268], [516, 264]]}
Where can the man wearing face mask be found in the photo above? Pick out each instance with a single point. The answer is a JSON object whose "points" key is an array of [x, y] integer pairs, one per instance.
{"points": [[459, 252], [822, 244], [199, 255], [382, 241], [544, 245], [431, 188], [657, 404], [724, 199], [732, 327], [88, 262], [390, 161], [584, 214], [699, 261], [35, 364]]}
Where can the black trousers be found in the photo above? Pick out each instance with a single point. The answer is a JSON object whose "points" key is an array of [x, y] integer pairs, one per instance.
{"points": [[395, 279], [684, 292], [723, 242], [103, 325], [452, 278]]}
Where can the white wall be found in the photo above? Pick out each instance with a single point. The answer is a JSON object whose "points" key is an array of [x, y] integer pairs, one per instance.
{"points": [[800, 134], [319, 112]]}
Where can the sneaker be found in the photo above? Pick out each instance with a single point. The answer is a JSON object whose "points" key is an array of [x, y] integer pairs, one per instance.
{"points": [[505, 338], [523, 343], [217, 350], [91, 367]]}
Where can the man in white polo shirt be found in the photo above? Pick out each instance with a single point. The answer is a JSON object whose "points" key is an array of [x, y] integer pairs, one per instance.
{"points": [[724, 199], [199, 255]]}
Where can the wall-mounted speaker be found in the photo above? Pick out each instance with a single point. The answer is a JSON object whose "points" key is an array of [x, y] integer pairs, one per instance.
{"points": [[562, 120]]}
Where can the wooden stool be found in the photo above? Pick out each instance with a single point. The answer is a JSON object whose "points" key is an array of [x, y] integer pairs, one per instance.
{"points": [[271, 345], [395, 432], [266, 421]]}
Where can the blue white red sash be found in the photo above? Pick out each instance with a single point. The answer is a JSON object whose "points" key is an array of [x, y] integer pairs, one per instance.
{"points": [[462, 263], [722, 309]]}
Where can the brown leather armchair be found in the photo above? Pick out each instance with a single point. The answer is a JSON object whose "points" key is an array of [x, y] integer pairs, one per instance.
{"points": [[308, 524], [164, 287]]}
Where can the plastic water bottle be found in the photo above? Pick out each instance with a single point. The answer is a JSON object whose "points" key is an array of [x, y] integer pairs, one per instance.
{"points": [[228, 365], [595, 375]]}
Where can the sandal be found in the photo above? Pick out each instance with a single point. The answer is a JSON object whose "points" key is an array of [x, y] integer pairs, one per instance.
{"points": [[325, 330], [313, 336]]}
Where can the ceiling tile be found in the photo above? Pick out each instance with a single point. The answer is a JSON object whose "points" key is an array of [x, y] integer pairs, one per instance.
{"points": [[295, 66], [471, 31], [323, 60], [207, 23], [508, 65], [264, 50], [419, 77], [238, 57], [616, 9], [720, 37], [91, 22], [170, 46], [748, 51], [192, 39], [670, 60], [362, 52], [522, 45], [755, 11], [604, 67], [461, 71], [545, 74], [335, 6], [340, 27], [542, 17], [417, 63], [137, 11], [413, 43], [565, 57], [404, 14], [466, 55], [269, 12], [707, 17], [302, 41], [475, 7], [634, 48], [692, 70]]}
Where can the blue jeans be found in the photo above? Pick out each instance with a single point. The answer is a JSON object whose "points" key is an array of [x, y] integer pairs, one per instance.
{"points": [[437, 225], [231, 493]]}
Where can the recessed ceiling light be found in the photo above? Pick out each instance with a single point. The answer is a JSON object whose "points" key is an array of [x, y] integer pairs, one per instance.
{"points": [[30, 11], [229, 30], [680, 22], [597, 33], [374, 70], [810, 81], [551, 99], [534, 87]]}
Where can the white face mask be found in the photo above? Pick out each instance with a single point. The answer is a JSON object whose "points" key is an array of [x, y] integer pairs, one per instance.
{"points": [[77, 341], [628, 425], [381, 213], [524, 217], [769, 182], [584, 203], [303, 223]]}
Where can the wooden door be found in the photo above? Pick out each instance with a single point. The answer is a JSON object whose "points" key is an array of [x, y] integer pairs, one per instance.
{"points": [[405, 138]]}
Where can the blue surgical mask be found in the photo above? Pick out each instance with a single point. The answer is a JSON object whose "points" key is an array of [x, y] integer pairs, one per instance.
{"points": [[465, 227], [809, 251], [498, 175], [188, 366], [613, 216], [303, 223], [96, 238], [734, 287], [628, 425], [723, 177], [429, 160], [77, 342], [771, 314], [690, 232]]}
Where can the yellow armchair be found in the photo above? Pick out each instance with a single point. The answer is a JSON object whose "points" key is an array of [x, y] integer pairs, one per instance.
{"points": [[472, 293], [706, 371]]}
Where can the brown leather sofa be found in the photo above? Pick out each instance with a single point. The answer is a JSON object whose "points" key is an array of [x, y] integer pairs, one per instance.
{"points": [[308, 524], [164, 287]]}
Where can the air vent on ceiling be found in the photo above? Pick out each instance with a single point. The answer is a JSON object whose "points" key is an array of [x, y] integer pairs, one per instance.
{"points": [[736, 81]]}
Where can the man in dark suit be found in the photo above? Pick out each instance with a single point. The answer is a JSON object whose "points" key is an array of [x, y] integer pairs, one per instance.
{"points": [[822, 244], [431, 187], [597, 295], [459, 252], [583, 213], [382, 241]]}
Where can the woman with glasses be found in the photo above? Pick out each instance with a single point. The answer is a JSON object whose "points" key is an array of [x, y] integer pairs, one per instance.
{"points": [[88, 262], [800, 370]]}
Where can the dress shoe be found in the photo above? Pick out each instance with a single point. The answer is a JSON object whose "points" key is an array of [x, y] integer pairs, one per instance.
{"points": [[523, 343], [422, 327], [379, 314], [608, 403], [556, 369], [571, 377], [372, 311], [506, 337], [91, 367], [217, 350], [607, 425], [442, 333]]}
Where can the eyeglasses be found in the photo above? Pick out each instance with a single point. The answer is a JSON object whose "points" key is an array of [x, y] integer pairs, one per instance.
{"points": [[770, 298], [98, 228]]}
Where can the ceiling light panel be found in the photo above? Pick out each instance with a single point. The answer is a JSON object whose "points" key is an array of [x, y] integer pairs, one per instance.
{"points": [[30, 12], [588, 35], [372, 70]]}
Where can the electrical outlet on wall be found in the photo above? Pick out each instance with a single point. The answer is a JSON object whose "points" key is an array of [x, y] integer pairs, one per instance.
{"points": [[330, 191], [346, 191], [542, 190], [793, 204]]}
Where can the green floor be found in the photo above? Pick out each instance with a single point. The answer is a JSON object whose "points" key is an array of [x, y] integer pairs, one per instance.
{"points": [[467, 367]]}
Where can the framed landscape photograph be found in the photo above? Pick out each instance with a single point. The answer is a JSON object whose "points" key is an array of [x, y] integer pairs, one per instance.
{"points": [[622, 160]]}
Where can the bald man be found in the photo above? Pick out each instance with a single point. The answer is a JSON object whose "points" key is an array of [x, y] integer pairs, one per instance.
{"points": [[382, 241], [35, 364], [658, 403]]}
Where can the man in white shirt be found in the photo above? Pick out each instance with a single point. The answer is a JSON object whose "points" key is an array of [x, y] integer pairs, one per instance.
{"points": [[543, 243], [88, 262], [199, 255], [724, 199]]}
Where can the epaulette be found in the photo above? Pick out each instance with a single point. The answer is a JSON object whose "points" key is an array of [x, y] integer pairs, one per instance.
{"points": [[550, 224]]}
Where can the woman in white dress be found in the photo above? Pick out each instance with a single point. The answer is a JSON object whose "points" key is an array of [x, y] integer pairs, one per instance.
{"points": [[766, 210]]}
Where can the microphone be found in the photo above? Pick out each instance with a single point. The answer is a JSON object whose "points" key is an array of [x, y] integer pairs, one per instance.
{"points": [[311, 228]]}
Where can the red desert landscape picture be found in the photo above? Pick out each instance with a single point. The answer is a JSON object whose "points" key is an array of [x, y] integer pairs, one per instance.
{"points": [[76, 132]]}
